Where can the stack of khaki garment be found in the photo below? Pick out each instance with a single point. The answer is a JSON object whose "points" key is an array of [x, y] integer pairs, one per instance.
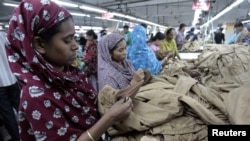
{"points": [[224, 67], [237, 104], [167, 108], [192, 46]]}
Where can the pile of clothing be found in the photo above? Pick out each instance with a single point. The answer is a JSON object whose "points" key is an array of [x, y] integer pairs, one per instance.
{"points": [[177, 106], [192, 46]]}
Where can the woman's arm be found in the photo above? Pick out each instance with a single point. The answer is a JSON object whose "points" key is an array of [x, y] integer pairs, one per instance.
{"points": [[119, 111]]}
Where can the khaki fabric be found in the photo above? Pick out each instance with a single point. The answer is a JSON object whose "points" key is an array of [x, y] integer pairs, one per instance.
{"points": [[175, 110], [224, 65], [237, 103], [192, 46], [172, 106]]}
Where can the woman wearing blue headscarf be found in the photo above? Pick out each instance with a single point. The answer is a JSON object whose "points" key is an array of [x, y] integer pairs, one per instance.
{"points": [[141, 55]]}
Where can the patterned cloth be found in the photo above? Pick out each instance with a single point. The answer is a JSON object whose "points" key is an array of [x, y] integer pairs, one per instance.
{"points": [[90, 58], [109, 72], [54, 105], [141, 55]]}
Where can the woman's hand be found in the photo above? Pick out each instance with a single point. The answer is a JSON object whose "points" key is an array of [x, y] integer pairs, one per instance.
{"points": [[138, 76], [118, 112], [159, 54], [121, 109]]}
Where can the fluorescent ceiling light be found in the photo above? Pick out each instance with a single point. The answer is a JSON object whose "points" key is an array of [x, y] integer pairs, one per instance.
{"points": [[124, 16], [237, 2], [88, 8], [130, 17], [247, 21], [10, 4], [91, 27], [118, 14], [115, 20], [79, 14], [67, 4], [134, 18]]}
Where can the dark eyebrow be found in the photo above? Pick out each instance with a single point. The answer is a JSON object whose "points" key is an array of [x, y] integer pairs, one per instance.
{"points": [[70, 35]]}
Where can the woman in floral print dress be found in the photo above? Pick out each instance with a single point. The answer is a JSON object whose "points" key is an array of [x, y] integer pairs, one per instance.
{"points": [[57, 102]]}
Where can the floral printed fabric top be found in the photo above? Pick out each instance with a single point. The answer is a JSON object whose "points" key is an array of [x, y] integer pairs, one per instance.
{"points": [[54, 105]]}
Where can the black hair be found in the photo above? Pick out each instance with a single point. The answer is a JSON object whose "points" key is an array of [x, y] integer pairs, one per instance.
{"points": [[182, 25], [52, 31], [91, 33], [169, 31], [238, 24], [144, 25], [126, 26], [158, 36], [103, 32]]}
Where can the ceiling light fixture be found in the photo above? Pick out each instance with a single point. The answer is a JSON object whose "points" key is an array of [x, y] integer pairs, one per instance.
{"points": [[67, 4], [130, 17], [88, 8], [10, 4], [135, 19], [115, 20], [79, 14], [94, 9], [246, 21], [237, 2], [91, 27]]}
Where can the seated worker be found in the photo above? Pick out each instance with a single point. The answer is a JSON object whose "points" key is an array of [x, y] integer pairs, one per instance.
{"points": [[57, 101], [169, 43], [191, 36], [141, 55], [156, 42], [113, 67]]}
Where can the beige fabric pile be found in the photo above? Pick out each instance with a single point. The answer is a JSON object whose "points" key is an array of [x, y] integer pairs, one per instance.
{"points": [[174, 106], [192, 46], [224, 67]]}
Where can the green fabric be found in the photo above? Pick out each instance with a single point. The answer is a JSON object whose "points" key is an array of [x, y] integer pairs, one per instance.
{"points": [[169, 45], [128, 38]]}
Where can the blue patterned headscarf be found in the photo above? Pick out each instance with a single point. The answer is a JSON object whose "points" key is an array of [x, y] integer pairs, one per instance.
{"points": [[140, 54]]}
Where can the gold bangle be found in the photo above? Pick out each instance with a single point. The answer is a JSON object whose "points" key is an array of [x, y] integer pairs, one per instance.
{"points": [[92, 139]]}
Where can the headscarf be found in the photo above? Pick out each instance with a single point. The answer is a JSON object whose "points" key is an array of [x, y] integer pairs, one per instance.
{"points": [[63, 104], [169, 45], [109, 72], [140, 54]]}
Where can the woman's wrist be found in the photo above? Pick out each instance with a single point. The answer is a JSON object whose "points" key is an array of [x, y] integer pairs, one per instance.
{"points": [[108, 118]]}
